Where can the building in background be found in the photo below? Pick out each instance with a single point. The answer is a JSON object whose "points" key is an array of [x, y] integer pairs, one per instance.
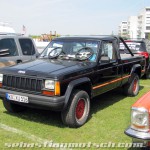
{"points": [[132, 27], [138, 26], [43, 40], [123, 29], [144, 23]]}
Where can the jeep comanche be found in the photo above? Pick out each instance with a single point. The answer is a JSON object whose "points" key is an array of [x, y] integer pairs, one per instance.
{"points": [[68, 74]]}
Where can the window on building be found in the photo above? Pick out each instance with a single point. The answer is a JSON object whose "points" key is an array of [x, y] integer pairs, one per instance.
{"points": [[147, 27], [148, 9], [9, 46], [124, 22], [27, 47], [124, 30]]}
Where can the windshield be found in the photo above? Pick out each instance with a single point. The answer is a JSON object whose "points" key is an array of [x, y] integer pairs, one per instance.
{"points": [[70, 49]]}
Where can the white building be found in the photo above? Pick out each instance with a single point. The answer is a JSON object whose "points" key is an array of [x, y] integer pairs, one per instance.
{"points": [[144, 23], [123, 27], [138, 26], [132, 26]]}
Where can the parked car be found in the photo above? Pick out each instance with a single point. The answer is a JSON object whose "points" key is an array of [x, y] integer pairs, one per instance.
{"points": [[68, 74], [17, 48], [138, 46], [139, 129], [148, 45]]}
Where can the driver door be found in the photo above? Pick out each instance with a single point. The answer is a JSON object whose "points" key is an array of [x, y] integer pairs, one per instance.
{"points": [[107, 71]]}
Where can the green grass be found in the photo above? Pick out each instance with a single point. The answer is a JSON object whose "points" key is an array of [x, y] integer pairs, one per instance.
{"points": [[110, 116]]}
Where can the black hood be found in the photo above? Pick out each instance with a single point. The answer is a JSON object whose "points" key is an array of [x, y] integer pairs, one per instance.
{"points": [[47, 67]]}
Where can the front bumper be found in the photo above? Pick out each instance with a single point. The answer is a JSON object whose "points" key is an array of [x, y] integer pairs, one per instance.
{"points": [[137, 134], [54, 103]]}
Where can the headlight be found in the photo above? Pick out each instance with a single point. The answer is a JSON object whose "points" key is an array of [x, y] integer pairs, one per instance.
{"points": [[49, 84], [140, 119], [1, 77], [51, 88]]}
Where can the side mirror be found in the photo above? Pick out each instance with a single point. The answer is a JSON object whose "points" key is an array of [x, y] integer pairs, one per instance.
{"points": [[4, 52], [105, 59]]}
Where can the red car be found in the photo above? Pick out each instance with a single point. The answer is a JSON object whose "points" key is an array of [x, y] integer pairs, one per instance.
{"points": [[139, 129], [138, 47]]}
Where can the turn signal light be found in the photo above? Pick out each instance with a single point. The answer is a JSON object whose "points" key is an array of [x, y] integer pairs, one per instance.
{"points": [[140, 127], [57, 88], [0, 85], [48, 93]]}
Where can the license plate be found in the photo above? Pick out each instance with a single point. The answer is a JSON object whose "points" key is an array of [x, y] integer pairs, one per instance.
{"points": [[17, 98]]}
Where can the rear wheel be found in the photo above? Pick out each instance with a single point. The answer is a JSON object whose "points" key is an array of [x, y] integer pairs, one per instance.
{"points": [[12, 107], [77, 113], [132, 88]]}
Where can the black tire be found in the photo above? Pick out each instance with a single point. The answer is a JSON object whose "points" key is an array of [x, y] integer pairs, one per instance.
{"points": [[77, 113], [132, 88], [147, 75], [12, 107]]}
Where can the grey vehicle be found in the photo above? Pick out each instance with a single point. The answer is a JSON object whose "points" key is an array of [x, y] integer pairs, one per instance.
{"points": [[17, 48]]}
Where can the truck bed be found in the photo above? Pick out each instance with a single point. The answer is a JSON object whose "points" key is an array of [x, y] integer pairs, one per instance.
{"points": [[128, 56]]}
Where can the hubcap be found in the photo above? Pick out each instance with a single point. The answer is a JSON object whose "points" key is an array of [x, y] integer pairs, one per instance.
{"points": [[135, 85], [80, 108]]}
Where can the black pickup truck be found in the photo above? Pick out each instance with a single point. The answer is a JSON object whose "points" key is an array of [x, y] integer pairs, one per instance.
{"points": [[68, 74]]}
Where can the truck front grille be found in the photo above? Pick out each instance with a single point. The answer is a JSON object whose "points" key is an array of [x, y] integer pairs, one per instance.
{"points": [[22, 83]]}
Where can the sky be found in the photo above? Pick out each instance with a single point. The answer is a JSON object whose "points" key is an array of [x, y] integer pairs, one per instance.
{"points": [[69, 17]]}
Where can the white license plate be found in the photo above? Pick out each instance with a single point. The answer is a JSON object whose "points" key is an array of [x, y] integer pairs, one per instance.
{"points": [[18, 98]]}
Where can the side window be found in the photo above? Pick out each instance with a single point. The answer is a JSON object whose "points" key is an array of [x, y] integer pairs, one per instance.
{"points": [[27, 46], [108, 50], [9, 46], [124, 51]]}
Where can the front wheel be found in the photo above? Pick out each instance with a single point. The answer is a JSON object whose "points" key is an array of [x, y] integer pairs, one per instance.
{"points": [[132, 88], [77, 113]]}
